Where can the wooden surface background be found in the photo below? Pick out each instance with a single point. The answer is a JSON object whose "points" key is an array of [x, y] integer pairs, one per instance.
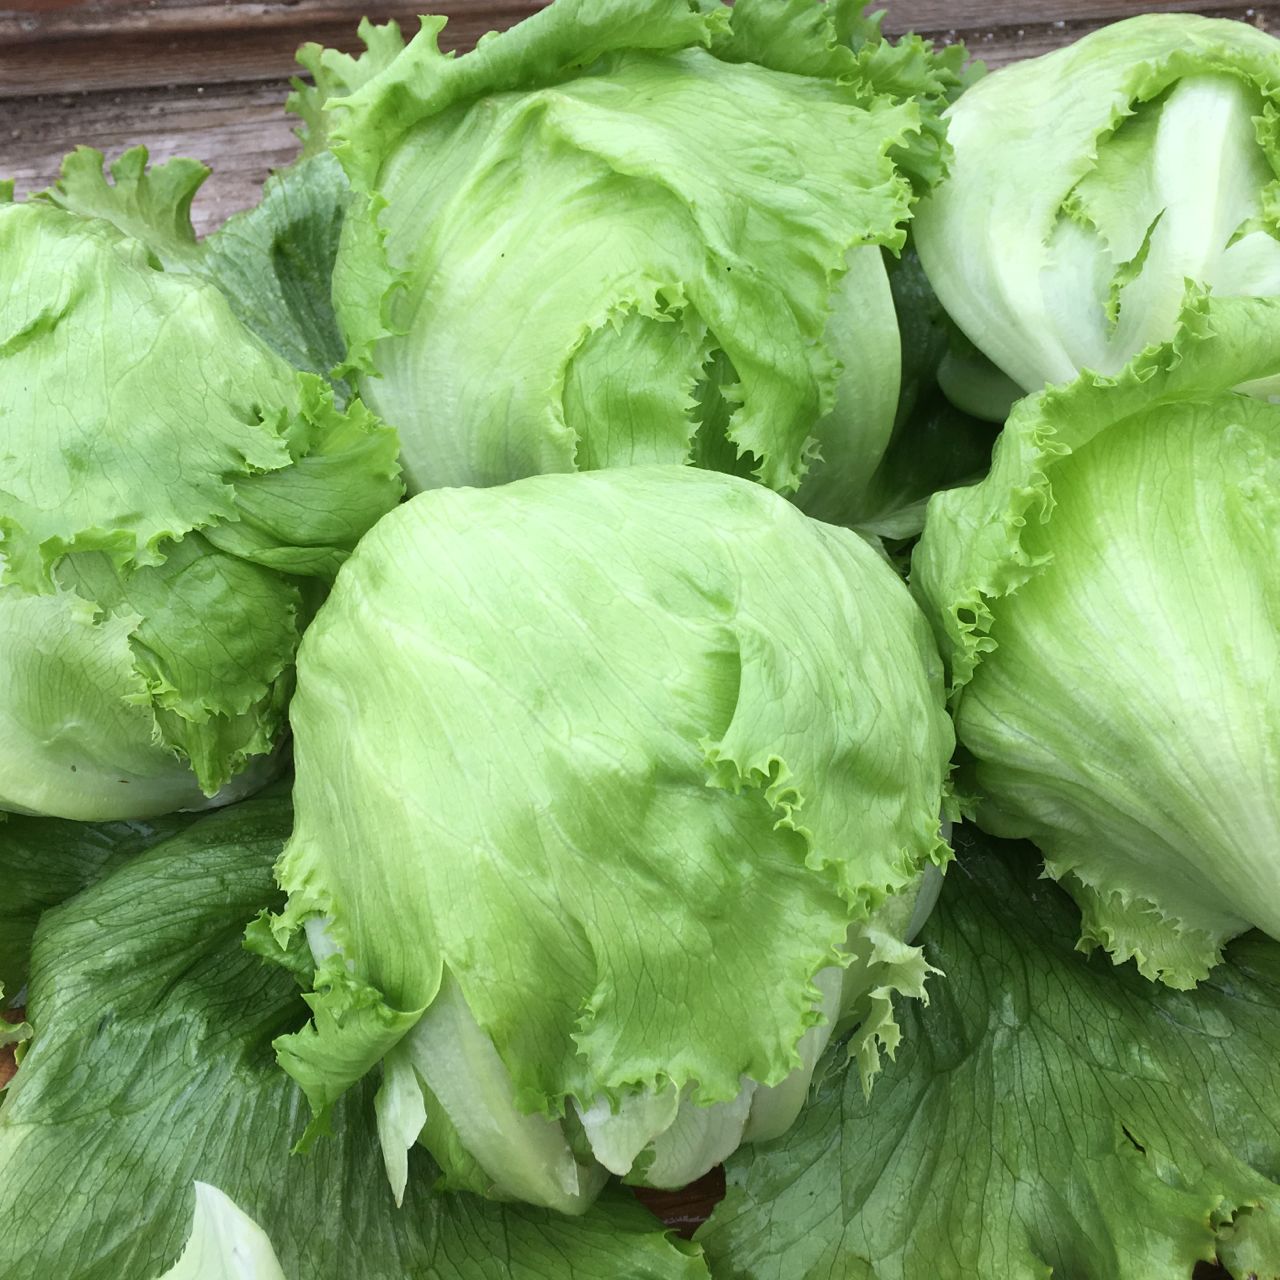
{"points": [[188, 77]]}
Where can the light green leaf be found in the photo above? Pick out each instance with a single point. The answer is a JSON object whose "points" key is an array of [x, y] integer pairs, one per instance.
{"points": [[91, 330], [151, 1067], [216, 688], [839, 40], [304, 521], [852, 438], [337, 75], [148, 204], [225, 1243], [77, 734], [164, 480], [273, 263], [1047, 1115]]}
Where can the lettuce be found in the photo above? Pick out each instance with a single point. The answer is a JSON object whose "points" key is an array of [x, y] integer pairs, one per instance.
{"points": [[633, 232], [1107, 605], [225, 1243], [1090, 185], [175, 501], [615, 795]]}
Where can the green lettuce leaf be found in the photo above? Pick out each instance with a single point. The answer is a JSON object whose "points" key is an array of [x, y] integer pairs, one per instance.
{"points": [[90, 328], [335, 74], [273, 263], [586, 801], [44, 861], [147, 203], [933, 444], [1088, 186], [840, 40], [151, 1068], [654, 188], [1047, 1115], [1107, 607]]}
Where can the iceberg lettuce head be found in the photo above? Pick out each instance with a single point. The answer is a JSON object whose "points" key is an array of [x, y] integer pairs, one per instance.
{"points": [[634, 231], [1107, 601], [616, 794], [174, 499], [1088, 186]]}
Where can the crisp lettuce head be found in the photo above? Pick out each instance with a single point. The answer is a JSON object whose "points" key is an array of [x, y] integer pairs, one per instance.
{"points": [[1107, 603], [1048, 1116], [173, 499], [614, 795], [1088, 186], [633, 231], [150, 1071]]}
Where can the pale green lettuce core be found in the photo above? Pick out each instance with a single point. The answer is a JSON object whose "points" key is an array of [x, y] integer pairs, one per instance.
{"points": [[1108, 604], [615, 792], [173, 498], [566, 230], [1088, 186], [225, 1243]]}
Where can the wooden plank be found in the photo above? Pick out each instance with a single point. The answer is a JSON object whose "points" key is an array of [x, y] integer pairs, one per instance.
{"points": [[998, 45], [684, 1211], [111, 44], [83, 48], [240, 129]]}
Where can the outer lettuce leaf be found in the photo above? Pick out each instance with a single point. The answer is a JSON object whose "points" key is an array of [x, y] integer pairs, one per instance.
{"points": [[1107, 606], [1090, 184], [1047, 1115], [569, 753], [933, 445], [44, 861], [273, 263], [151, 204], [698, 191], [145, 669], [151, 1067], [839, 40], [76, 729], [338, 75], [408, 89], [91, 329]]}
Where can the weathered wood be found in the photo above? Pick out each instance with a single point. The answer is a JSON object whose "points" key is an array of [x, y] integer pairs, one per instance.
{"points": [[241, 130], [85, 47], [684, 1211], [53, 45]]}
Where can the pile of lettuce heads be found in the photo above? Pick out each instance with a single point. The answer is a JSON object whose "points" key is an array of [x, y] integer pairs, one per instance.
{"points": [[693, 587]]}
